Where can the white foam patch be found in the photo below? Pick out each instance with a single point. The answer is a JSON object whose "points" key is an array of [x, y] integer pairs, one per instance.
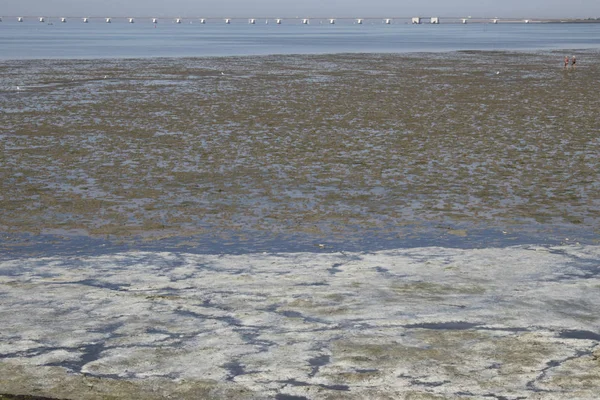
{"points": [[263, 318]]}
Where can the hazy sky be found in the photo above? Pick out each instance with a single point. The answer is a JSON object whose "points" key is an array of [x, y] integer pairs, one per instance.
{"points": [[291, 8]]}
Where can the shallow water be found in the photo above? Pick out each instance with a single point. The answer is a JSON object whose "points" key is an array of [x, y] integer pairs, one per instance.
{"points": [[76, 40]]}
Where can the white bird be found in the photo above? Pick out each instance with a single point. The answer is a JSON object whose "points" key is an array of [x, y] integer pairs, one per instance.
{"points": [[105, 76], [497, 72], [222, 73], [18, 88]]}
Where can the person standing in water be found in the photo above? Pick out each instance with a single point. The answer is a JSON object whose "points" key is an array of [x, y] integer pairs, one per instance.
{"points": [[573, 62], [566, 62]]}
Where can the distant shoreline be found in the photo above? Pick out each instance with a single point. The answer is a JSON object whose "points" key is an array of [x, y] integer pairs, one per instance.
{"points": [[277, 20]]}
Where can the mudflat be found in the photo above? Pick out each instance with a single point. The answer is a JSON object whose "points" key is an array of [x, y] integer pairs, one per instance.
{"points": [[328, 146]]}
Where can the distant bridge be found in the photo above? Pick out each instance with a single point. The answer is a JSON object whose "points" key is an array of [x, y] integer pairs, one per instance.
{"points": [[299, 20]]}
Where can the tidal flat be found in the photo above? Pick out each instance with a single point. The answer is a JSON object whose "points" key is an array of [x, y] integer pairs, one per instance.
{"points": [[324, 147], [416, 226]]}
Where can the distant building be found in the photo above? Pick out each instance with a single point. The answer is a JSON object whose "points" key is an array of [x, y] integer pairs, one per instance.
{"points": [[416, 20], [435, 20]]}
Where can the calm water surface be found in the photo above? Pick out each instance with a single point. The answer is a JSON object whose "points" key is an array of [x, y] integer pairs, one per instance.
{"points": [[74, 39]]}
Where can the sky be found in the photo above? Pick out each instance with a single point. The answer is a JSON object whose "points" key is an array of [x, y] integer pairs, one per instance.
{"points": [[304, 8]]}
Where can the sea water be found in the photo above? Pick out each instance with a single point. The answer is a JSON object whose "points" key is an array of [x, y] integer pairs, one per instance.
{"points": [[74, 39]]}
